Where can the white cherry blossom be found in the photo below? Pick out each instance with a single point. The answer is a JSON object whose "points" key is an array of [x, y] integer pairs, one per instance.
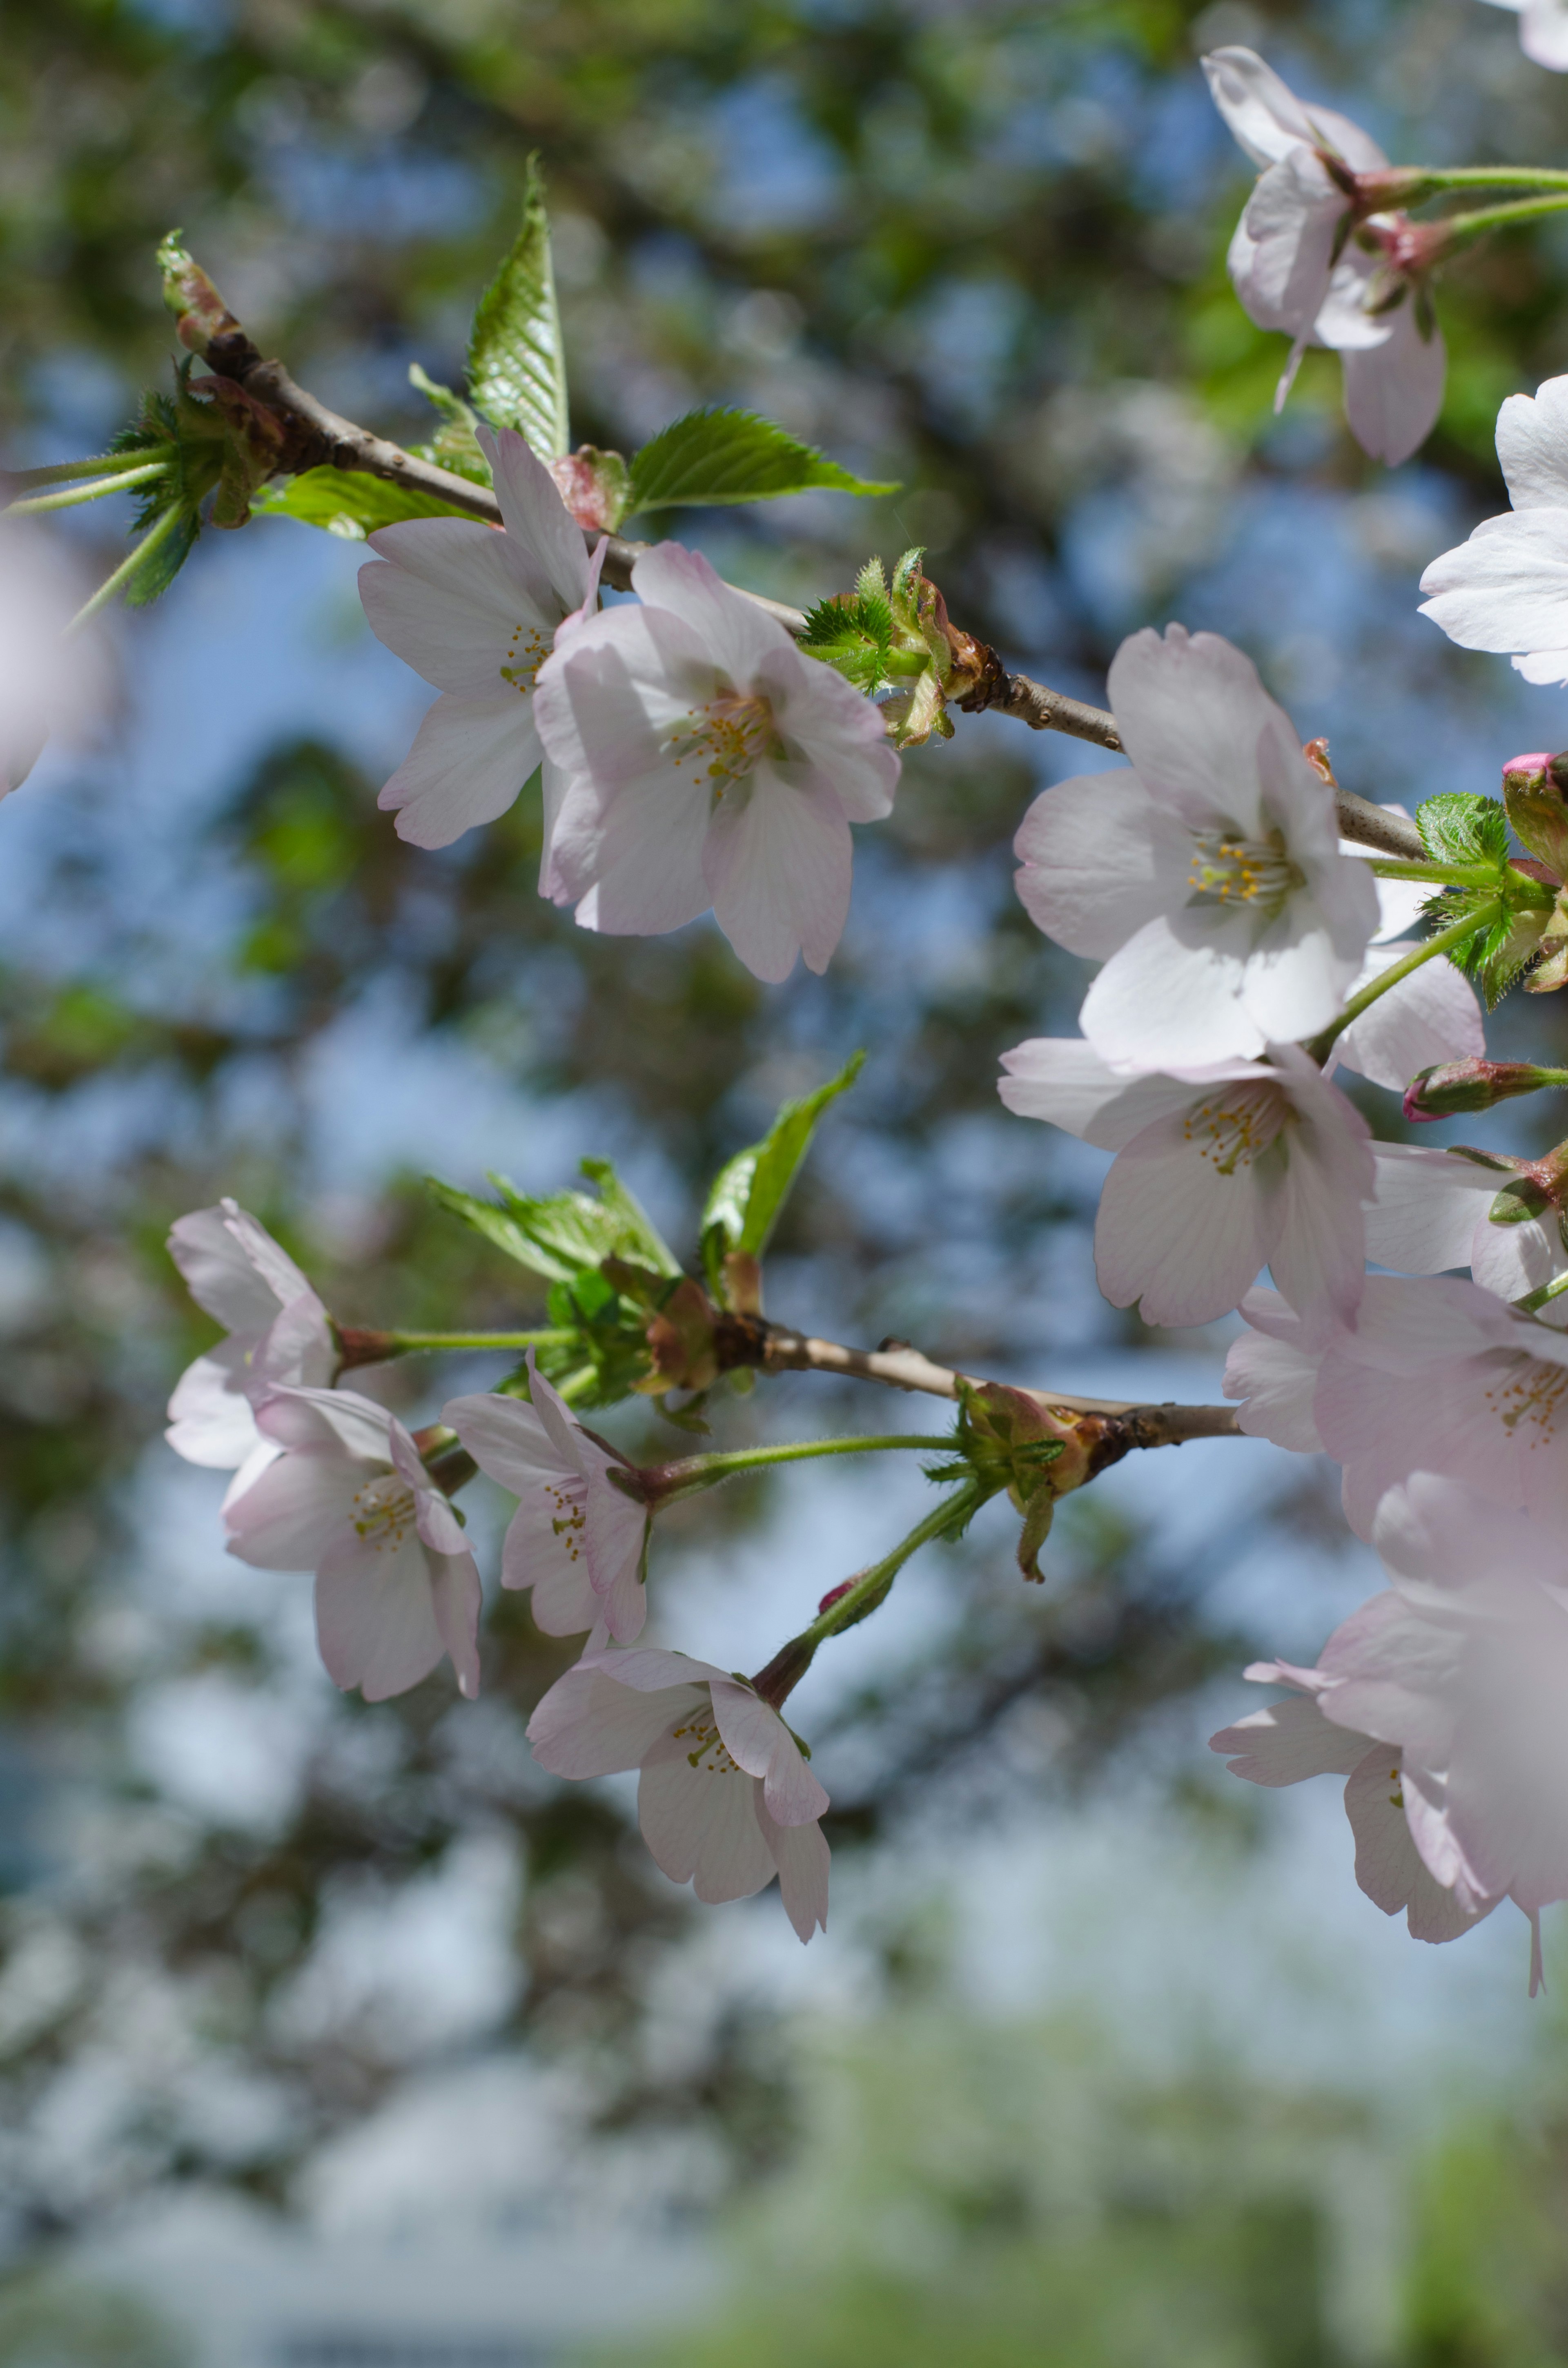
{"points": [[278, 1332], [725, 1799], [1433, 1211], [1207, 876], [710, 763], [349, 1497], [1543, 31], [1219, 1172], [1507, 588], [1455, 1681], [477, 612], [1296, 269], [577, 1539]]}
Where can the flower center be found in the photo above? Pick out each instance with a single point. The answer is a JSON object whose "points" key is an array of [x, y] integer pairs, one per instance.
{"points": [[725, 740], [1227, 869], [1528, 1398], [1237, 1126], [384, 1511], [702, 1734], [526, 653], [571, 1516]]}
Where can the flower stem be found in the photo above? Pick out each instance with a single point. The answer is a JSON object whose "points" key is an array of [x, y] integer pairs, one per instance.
{"points": [[865, 1592], [56, 473], [1542, 1298], [404, 1344], [1459, 227], [66, 497], [1489, 176], [1441, 875], [129, 566], [665, 1482], [1318, 1048]]}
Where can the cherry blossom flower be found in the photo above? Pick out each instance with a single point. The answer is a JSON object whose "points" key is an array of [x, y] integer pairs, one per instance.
{"points": [[278, 1333], [1431, 1017], [349, 1497], [725, 1798], [49, 681], [1438, 1376], [1207, 875], [477, 613], [577, 1539], [1507, 588], [710, 763], [1543, 31], [1433, 1211], [1454, 1680], [1295, 270], [1219, 1172]]}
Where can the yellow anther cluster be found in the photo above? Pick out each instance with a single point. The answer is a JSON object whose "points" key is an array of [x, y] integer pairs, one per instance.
{"points": [[570, 1520], [709, 1747], [1530, 1399], [724, 740], [524, 658], [1228, 870], [1236, 1128], [384, 1511]]}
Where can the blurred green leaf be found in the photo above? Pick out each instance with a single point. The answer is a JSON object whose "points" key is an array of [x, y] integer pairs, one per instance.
{"points": [[455, 444], [516, 367], [749, 1191], [348, 502], [713, 456]]}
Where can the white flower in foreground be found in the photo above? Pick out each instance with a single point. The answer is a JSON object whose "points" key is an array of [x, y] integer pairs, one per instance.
{"points": [[1429, 1017], [1295, 270], [1455, 1682], [1219, 1172], [278, 1333], [1207, 876], [1438, 1376], [476, 612], [725, 1801], [710, 763], [1507, 588], [350, 1498], [1543, 31], [577, 1539]]}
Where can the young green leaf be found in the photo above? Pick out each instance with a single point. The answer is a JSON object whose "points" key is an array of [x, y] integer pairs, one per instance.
{"points": [[1458, 828], [731, 456], [516, 366], [750, 1190], [454, 445], [348, 502], [566, 1234]]}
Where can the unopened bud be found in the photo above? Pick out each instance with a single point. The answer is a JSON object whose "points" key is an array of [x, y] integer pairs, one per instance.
{"points": [[833, 1595], [1456, 1085], [1535, 792]]}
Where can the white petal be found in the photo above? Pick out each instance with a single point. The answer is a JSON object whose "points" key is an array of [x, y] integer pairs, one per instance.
{"points": [[547, 537], [1161, 1004], [1288, 1742], [1394, 391], [293, 1512], [449, 595], [1293, 985], [1278, 1381], [802, 1857], [1544, 34], [637, 851], [1190, 710], [334, 1422], [700, 1823], [1291, 222], [1427, 1206], [1532, 446], [1431, 1016], [1388, 1867], [1100, 858], [758, 1740], [376, 1616], [507, 1441], [209, 1413], [220, 1273], [827, 725], [737, 635], [459, 1599], [777, 859], [1318, 1259], [1507, 588], [1176, 1234], [1514, 1259], [1064, 1081], [470, 759], [589, 1725]]}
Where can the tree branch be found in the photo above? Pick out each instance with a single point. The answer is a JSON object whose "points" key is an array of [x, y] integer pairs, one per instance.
{"points": [[778, 1348], [317, 438]]}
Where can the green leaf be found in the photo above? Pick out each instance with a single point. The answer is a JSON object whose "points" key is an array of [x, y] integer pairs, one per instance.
{"points": [[348, 502], [731, 456], [639, 1237], [454, 445], [517, 368], [1458, 828], [750, 1190], [566, 1234]]}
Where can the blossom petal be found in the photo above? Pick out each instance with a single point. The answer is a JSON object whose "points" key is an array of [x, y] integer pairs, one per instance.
{"points": [[777, 858], [804, 1859], [292, 1512], [1177, 1235], [1394, 391], [1507, 588], [1288, 1742], [700, 1823], [757, 1739], [233, 1268], [1388, 1867], [1100, 858], [1278, 1381], [211, 1420], [376, 1620], [470, 756], [739, 636], [1065, 1082], [587, 1725], [1532, 444], [448, 596], [547, 545], [1430, 1016], [1190, 709], [1162, 1004], [1427, 1206], [826, 723]]}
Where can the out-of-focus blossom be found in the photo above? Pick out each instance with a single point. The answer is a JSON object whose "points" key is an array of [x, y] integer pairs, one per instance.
{"points": [[1299, 266], [349, 1497], [1206, 877], [51, 681], [710, 763], [1507, 588], [1543, 31], [278, 1333], [1219, 1172], [477, 612], [577, 1539], [725, 1799], [1443, 1701]]}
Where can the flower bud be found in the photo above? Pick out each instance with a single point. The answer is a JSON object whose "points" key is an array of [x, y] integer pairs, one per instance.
{"points": [[1533, 787], [1456, 1085]]}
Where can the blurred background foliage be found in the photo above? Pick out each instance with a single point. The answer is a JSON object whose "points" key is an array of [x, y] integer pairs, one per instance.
{"points": [[974, 247]]}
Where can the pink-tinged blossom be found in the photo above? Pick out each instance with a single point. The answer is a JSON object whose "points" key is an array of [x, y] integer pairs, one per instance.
{"points": [[1219, 1172], [1433, 1213], [725, 1798], [710, 763], [1428, 1018], [1543, 31], [1454, 1682], [1297, 265], [1273, 1371], [278, 1333], [577, 1539], [477, 612], [1205, 876], [1507, 588], [349, 1497]]}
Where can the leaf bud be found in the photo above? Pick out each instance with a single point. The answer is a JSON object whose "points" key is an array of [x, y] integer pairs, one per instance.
{"points": [[1475, 1084]]}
